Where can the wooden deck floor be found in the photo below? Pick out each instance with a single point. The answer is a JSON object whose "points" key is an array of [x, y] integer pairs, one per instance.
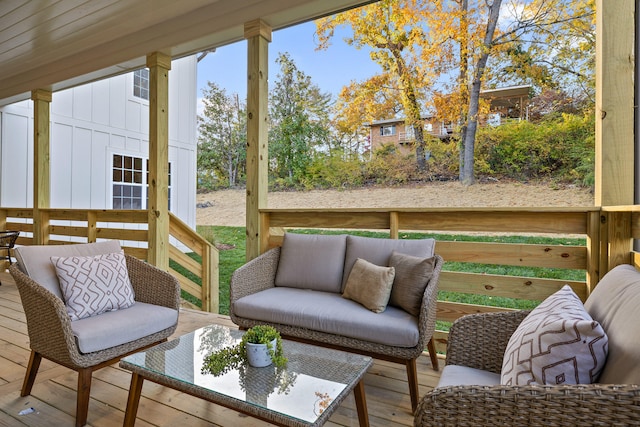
{"points": [[53, 397]]}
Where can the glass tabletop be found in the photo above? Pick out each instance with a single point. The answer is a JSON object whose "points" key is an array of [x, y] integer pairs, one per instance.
{"points": [[314, 379]]}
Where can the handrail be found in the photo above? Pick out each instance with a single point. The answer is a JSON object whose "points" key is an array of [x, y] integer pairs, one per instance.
{"points": [[65, 226], [586, 222]]}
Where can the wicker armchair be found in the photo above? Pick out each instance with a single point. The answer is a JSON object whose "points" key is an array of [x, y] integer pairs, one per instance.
{"points": [[51, 332], [479, 341]]}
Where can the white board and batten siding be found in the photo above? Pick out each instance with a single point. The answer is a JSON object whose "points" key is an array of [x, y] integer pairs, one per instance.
{"points": [[89, 125]]}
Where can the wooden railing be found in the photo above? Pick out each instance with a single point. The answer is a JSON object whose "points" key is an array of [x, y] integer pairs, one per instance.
{"points": [[130, 228], [607, 233]]}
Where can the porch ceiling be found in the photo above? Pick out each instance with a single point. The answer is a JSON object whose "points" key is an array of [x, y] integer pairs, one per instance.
{"points": [[49, 44]]}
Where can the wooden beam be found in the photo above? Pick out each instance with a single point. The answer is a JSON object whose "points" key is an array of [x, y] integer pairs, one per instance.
{"points": [[258, 35], [614, 103], [41, 164], [158, 205]]}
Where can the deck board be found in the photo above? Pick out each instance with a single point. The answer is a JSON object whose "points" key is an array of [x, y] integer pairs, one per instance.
{"points": [[53, 395]]}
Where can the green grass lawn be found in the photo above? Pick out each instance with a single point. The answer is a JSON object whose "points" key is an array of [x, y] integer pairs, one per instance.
{"points": [[231, 241]]}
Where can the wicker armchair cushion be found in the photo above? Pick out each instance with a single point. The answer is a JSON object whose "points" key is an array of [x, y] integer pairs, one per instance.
{"points": [[457, 375], [92, 285], [330, 313], [370, 285], [557, 343], [122, 326], [412, 277], [614, 303], [378, 250], [35, 261], [311, 261]]}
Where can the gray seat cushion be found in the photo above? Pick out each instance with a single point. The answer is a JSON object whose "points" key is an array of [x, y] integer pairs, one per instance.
{"points": [[614, 304], [35, 261], [122, 326], [377, 251], [454, 375], [329, 312]]}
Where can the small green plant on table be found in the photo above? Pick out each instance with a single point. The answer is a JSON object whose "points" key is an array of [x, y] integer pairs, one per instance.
{"points": [[233, 357]]}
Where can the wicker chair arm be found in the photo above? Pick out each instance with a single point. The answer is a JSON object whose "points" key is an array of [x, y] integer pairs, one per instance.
{"points": [[480, 340], [48, 323], [544, 406], [152, 285], [429, 306], [256, 275]]}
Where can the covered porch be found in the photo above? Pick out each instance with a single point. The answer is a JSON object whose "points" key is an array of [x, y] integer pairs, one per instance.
{"points": [[54, 396]]}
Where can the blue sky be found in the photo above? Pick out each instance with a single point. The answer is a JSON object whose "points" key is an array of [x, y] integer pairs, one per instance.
{"points": [[329, 69]]}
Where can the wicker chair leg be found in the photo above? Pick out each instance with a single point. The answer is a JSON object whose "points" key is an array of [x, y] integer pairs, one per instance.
{"points": [[30, 375], [84, 389], [431, 346], [412, 378]]}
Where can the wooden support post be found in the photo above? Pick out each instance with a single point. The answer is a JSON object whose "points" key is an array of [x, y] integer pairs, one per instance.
{"points": [[159, 65], [41, 168], [614, 103], [258, 35]]}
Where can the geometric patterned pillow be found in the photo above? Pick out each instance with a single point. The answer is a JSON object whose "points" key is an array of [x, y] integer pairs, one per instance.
{"points": [[557, 343], [92, 285]]}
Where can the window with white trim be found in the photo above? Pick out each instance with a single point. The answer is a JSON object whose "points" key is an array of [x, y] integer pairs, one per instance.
{"points": [[387, 130], [141, 83], [130, 182]]}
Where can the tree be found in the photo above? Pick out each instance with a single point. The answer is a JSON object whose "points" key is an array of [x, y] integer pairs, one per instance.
{"points": [[484, 37], [222, 137], [298, 112], [403, 36]]}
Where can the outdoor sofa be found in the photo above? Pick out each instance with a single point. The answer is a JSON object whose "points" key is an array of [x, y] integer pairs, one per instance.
{"points": [[313, 287]]}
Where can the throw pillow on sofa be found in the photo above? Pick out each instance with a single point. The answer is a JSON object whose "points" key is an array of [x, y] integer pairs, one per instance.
{"points": [[411, 279], [370, 285], [557, 343], [93, 285]]}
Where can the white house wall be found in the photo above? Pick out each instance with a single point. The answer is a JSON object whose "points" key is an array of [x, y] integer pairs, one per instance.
{"points": [[88, 125]]}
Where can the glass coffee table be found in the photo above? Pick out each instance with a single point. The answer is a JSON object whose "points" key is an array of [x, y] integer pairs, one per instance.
{"points": [[305, 393]]}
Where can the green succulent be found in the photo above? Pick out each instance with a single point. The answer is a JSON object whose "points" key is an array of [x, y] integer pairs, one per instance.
{"points": [[233, 357]]}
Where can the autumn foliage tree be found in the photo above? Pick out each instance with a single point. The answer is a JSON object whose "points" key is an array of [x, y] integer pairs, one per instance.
{"points": [[404, 46], [438, 55]]}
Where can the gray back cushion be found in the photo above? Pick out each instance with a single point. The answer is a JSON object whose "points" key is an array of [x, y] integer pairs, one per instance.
{"points": [[378, 250], [311, 261], [614, 304], [35, 261]]}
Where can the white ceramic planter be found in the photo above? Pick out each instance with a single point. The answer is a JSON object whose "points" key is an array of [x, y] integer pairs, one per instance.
{"points": [[258, 354]]}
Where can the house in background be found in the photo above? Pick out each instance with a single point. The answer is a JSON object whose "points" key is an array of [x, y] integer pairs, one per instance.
{"points": [[100, 144], [509, 103]]}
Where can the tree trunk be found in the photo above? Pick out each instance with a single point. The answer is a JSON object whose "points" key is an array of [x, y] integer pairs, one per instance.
{"points": [[468, 177]]}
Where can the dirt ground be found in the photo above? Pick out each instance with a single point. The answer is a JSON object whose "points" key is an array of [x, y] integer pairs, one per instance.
{"points": [[227, 207]]}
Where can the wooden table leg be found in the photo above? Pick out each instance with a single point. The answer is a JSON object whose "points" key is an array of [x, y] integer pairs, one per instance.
{"points": [[133, 400], [361, 404]]}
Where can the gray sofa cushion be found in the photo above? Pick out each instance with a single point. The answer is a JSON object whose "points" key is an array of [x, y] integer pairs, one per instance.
{"points": [[454, 375], [122, 326], [311, 261], [378, 250], [35, 261], [329, 312], [614, 304]]}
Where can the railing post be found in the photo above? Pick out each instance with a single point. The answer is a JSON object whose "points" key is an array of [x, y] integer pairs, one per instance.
{"points": [[394, 225], [594, 224], [92, 228]]}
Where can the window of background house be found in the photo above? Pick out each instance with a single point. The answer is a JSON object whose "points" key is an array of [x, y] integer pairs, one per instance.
{"points": [[130, 177], [141, 83], [388, 130]]}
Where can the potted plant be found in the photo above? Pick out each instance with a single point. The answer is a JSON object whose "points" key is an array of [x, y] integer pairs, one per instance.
{"points": [[233, 357]]}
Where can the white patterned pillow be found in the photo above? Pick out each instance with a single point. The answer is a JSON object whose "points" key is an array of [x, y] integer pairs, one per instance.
{"points": [[557, 343], [92, 285]]}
